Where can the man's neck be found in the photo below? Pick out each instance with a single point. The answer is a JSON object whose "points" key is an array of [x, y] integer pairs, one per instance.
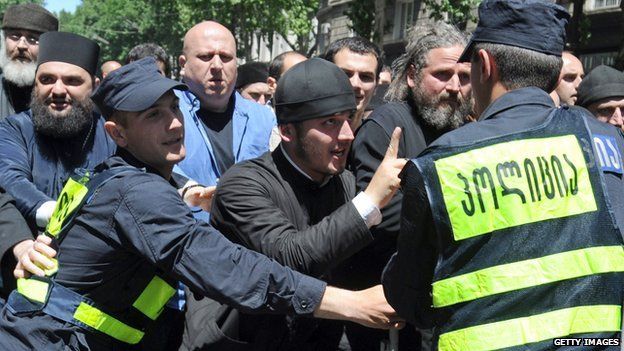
{"points": [[211, 105], [300, 170]]}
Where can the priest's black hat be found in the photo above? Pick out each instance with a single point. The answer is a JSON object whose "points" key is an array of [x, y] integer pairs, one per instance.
{"points": [[311, 89], [601, 83], [69, 48], [133, 87], [252, 72], [29, 17]]}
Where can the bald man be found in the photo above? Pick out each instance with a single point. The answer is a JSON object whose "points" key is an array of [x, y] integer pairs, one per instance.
{"points": [[222, 128], [570, 78], [108, 67], [280, 64]]}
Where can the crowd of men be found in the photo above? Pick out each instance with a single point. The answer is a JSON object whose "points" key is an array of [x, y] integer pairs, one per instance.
{"points": [[311, 203]]}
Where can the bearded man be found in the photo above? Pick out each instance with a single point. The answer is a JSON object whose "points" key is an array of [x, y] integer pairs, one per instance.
{"points": [[430, 96], [39, 148], [19, 45]]}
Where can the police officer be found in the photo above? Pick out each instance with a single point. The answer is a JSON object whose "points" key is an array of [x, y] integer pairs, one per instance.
{"points": [[524, 246], [125, 236]]}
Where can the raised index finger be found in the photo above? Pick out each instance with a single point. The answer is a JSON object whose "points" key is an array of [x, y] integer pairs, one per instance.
{"points": [[393, 147]]}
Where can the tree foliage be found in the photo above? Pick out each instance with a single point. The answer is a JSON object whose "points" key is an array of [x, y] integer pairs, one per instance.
{"points": [[362, 17], [118, 25], [6, 3], [457, 12]]}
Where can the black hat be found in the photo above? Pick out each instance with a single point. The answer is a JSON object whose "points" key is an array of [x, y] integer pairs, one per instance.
{"points": [[601, 83], [30, 17], [530, 24], [133, 87], [70, 48], [252, 72], [311, 89]]}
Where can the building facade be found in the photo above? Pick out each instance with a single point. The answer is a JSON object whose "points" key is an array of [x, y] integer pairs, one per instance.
{"points": [[603, 20]]}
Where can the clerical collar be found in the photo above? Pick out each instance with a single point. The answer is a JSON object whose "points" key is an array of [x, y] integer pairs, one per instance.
{"points": [[300, 170]]}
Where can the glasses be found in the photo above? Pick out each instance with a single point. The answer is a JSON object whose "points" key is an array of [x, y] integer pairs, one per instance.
{"points": [[16, 36]]}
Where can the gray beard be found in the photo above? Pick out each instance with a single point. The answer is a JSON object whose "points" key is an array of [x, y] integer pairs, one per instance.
{"points": [[441, 116], [19, 73], [74, 123]]}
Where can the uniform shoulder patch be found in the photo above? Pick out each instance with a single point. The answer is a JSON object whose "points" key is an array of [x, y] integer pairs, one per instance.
{"points": [[609, 156]]}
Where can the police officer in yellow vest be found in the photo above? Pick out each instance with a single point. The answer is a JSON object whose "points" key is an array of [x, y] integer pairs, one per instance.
{"points": [[510, 234]]}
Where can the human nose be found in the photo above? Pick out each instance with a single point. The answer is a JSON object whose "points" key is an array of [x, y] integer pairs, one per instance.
{"points": [[346, 133], [217, 64], [356, 82], [176, 121], [22, 43], [59, 88], [453, 84]]}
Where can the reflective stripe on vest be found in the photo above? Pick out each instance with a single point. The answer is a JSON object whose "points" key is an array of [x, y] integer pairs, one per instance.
{"points": [[71, 198], [514, 183], [107, 324], [528, 273], [153, 299], [150, 302], [525, 330]]}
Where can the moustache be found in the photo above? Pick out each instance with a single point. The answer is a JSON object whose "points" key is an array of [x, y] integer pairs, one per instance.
{"points": [[22, 56]]}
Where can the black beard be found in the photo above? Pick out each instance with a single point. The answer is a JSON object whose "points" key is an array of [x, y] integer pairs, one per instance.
{"points": [[75, 122], [441, 116]]}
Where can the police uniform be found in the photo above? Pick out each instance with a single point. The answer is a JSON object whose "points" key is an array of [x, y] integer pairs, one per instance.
{"points": [[510, 232], [128, 244], [425, 254]]}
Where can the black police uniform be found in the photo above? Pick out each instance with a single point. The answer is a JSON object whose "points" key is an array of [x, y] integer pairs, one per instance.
{"points": [[135, 226], [428, 252]]}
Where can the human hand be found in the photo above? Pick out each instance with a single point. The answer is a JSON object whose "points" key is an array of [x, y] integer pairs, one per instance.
{"points": [[374, 311], [33, 257], [366, 307], [199, 196], [386, 181]]}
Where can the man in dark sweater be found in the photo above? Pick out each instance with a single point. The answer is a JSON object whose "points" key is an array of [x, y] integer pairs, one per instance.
{"points": [[429, 96], [296, 204], [21, 27]]}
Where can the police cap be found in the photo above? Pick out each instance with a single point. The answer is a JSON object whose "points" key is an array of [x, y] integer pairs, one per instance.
{"points": [[133, 88], [530, 24], [311, 89]]}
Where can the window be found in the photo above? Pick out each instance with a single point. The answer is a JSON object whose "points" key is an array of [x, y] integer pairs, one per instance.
{"points": [[600, 4], [404, 18]]}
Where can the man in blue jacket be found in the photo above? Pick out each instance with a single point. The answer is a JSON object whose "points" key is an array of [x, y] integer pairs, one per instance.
{"points": [[222, 128]]}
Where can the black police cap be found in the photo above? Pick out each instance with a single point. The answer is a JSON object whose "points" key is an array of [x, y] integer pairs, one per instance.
{"points": [[530, 24], [134, 87], [601, 83], [69, 48], [311, 89]]}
